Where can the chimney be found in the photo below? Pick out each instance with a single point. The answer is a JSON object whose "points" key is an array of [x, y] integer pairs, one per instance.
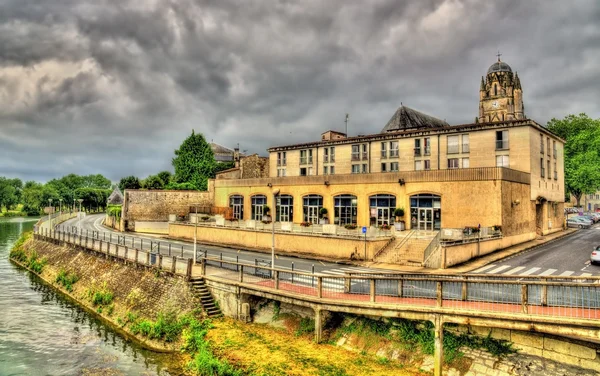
{"points": [[236, 157]]}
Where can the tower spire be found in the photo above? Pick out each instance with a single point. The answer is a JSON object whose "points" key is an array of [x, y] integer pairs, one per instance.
{"points": [[517, 81]]}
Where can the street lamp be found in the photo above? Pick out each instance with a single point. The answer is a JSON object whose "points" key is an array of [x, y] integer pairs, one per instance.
{"points": [[49, 212], [79, 215], [275, 195], [60, 207], [195, 229]]}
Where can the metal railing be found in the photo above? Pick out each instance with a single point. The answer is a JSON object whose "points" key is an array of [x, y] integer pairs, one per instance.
{"points": [[431, 252], [558, 297], [468, 234]]}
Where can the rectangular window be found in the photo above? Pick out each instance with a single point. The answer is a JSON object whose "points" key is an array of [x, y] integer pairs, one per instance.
{"points": [[309, 156], [501, 140], [383, 167], [465, 143], [356, 169], [326, 155], [554, 147], [418, 165], [278, 172], [356, 152], [417, 147], [394, 166], [465, 163], [364, 168], [548, 145], [542, 143], [393, 149], [502, 161], [427, 145], [452, 144], [542, 166], [331, 170], [303, 171], [279, 159], [556, 173], [427, 164], [383, 150], [549, 170], [453, 163], [306, 156], [365, 154], [332, 154], [325, 170]]}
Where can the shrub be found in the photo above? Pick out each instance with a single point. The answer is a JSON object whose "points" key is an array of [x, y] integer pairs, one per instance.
{"points": [[350, 226], [66, 280], [323, 212], [399, 212], [266, 209], [497, 228], [307, 325], [101, 296]]}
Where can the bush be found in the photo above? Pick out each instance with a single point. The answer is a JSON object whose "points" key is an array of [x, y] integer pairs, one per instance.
{"points": [[100, 297], [385, 227], [323, 212], [66, 280], [307, 325], [350, 226], [114, 211], [399, 212]]}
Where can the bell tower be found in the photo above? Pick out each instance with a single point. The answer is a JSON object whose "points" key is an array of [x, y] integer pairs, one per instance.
{"points": [[500, 94]]}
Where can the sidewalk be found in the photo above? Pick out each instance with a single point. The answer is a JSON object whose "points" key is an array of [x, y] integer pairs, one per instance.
{"points": [[478, 262]]}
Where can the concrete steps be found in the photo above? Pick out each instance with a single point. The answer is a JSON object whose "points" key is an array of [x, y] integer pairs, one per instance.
{"points": [[200, 292], [409, 250]]}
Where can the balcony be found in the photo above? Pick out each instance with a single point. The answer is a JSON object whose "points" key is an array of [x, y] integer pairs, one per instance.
{"points": [[417, 152], [466, 148], [503, 145]]}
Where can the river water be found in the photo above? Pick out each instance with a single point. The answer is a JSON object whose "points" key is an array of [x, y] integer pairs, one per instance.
{"points": [[42, 333]]}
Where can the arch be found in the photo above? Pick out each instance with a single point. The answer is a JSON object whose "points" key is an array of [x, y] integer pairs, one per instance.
{"points": [[381, 209], [236, 203], [345, 209]]}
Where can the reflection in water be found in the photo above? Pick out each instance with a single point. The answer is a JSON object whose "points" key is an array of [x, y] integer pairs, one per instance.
{"points": [[42, 333]]}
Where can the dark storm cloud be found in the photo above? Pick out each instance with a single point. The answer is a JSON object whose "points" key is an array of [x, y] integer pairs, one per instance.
{"points": [[113, 87]]}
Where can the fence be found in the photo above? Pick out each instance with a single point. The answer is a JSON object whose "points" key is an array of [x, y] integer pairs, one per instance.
{"points": [[556, 297], [468, 234], [116, 248]]}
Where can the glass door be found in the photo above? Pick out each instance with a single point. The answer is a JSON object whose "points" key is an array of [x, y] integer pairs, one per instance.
{"points": [[284, 213], [425, 219], [313, 214], [383, 216]]}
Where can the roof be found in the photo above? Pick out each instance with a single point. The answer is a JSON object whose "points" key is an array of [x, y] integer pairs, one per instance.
{"points": [[220, 149], [116, 197], [499, 66], [406, 118]]}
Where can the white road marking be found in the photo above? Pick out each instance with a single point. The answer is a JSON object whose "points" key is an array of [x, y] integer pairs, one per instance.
{"points": [[515, 270], [483, 269], [586, 275], [531, 271], [548, 272], [566, 273], [499, 269]]}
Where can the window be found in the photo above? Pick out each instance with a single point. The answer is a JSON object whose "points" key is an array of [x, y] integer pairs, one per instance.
{"points": [[452, 144], [331, 170], [303, 171], [258, 203], [344, 210], [502, 161], [465, 143], [548, 145], [311, 205], [365, 154], [383, 150], [326, 155], [236, 203], [306, 156], [383, 167], [542, 143], [549, 174], [325, 170], [383, 206], [501, 140], [417, 147], [427, 145], [427, 164], [394, 167], [465, 163], [453, 163], [332, 154], [394, 149], [281, 158], [554, 147], [285, 209], [356, 152], [556, 173], [542, 166], [280, 172], [364, 168], [329, 155], [356, 169], [418, 165]]}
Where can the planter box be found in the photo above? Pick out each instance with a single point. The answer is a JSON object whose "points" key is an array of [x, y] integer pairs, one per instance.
{"points": [[220, 221], [399, 226], [329, 229]]}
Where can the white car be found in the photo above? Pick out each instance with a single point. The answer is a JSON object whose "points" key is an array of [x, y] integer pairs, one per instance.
{"points": [[595, 256]]}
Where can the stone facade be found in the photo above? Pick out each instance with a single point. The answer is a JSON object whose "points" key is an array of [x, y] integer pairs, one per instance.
{"points": [[254, 166], [500, 95]]}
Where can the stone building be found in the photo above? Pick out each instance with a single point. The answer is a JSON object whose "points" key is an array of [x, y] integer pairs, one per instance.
{"points": [[503, 170]]}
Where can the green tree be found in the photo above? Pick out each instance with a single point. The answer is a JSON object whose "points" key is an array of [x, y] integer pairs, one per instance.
{"points": [[194, 162], [582, 153], [221, 166], [165, 176], [153, 182], [8, 193], [96, 181], [129, 182]]}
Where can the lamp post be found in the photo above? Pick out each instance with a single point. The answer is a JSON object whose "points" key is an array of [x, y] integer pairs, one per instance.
{"points": [[60, 207], [49, 213], [275, 195], [80, 200], [195, 230]]}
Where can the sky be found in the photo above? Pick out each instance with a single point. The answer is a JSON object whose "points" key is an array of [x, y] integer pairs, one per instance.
{"points": [[113, 87]]}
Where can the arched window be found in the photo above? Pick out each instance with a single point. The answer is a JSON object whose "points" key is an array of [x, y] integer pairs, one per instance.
{"points": [[258, 203], [345, 209], [285, 209], [495, 89], [381, 209], [425, 212], [236, 202], [311, 205]]}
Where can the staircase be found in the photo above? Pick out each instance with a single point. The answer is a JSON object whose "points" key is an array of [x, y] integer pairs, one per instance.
{"points": [[200, 291], [408, 250]]}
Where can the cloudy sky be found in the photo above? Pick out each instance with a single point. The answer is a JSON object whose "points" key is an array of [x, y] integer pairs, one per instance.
{"points": [[114, 86]]}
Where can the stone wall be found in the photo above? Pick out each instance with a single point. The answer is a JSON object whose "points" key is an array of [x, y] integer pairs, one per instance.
{"points": [[156, 205], [254, 166], [112, 222]]}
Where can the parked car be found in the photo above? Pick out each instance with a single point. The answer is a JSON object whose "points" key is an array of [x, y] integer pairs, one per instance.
{"points": [[579, 222], [595, 256], [589, 217]]}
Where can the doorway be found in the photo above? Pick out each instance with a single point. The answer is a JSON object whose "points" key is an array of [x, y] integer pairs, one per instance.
{"points": [[425, 219]]}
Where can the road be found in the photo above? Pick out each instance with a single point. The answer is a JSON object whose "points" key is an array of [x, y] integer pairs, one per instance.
{"points": [[569, 256], [94, 223]]}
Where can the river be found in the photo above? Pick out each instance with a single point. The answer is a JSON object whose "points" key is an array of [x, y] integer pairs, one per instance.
{"points": [[42, 333]]}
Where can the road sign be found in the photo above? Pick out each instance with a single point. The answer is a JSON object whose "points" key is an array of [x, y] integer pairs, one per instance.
{"points": [[364, 230]]}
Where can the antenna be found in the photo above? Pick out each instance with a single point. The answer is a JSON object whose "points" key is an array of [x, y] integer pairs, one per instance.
{"points": [[346, 121]]}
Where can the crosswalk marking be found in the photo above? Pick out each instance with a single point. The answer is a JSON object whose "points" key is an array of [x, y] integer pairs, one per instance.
{"points": [[484, 268], [585, 274], [498, 270], [548, 272], [531, 271], [566, 273], [515, 270]]}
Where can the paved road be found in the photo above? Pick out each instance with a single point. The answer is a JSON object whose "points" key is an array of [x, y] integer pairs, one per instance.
{"points": [[93, 223], [569, 256]]}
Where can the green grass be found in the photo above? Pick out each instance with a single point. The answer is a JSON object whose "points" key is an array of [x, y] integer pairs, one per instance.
{"points": [[307, 326], [66, 279], [100, 296]]}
